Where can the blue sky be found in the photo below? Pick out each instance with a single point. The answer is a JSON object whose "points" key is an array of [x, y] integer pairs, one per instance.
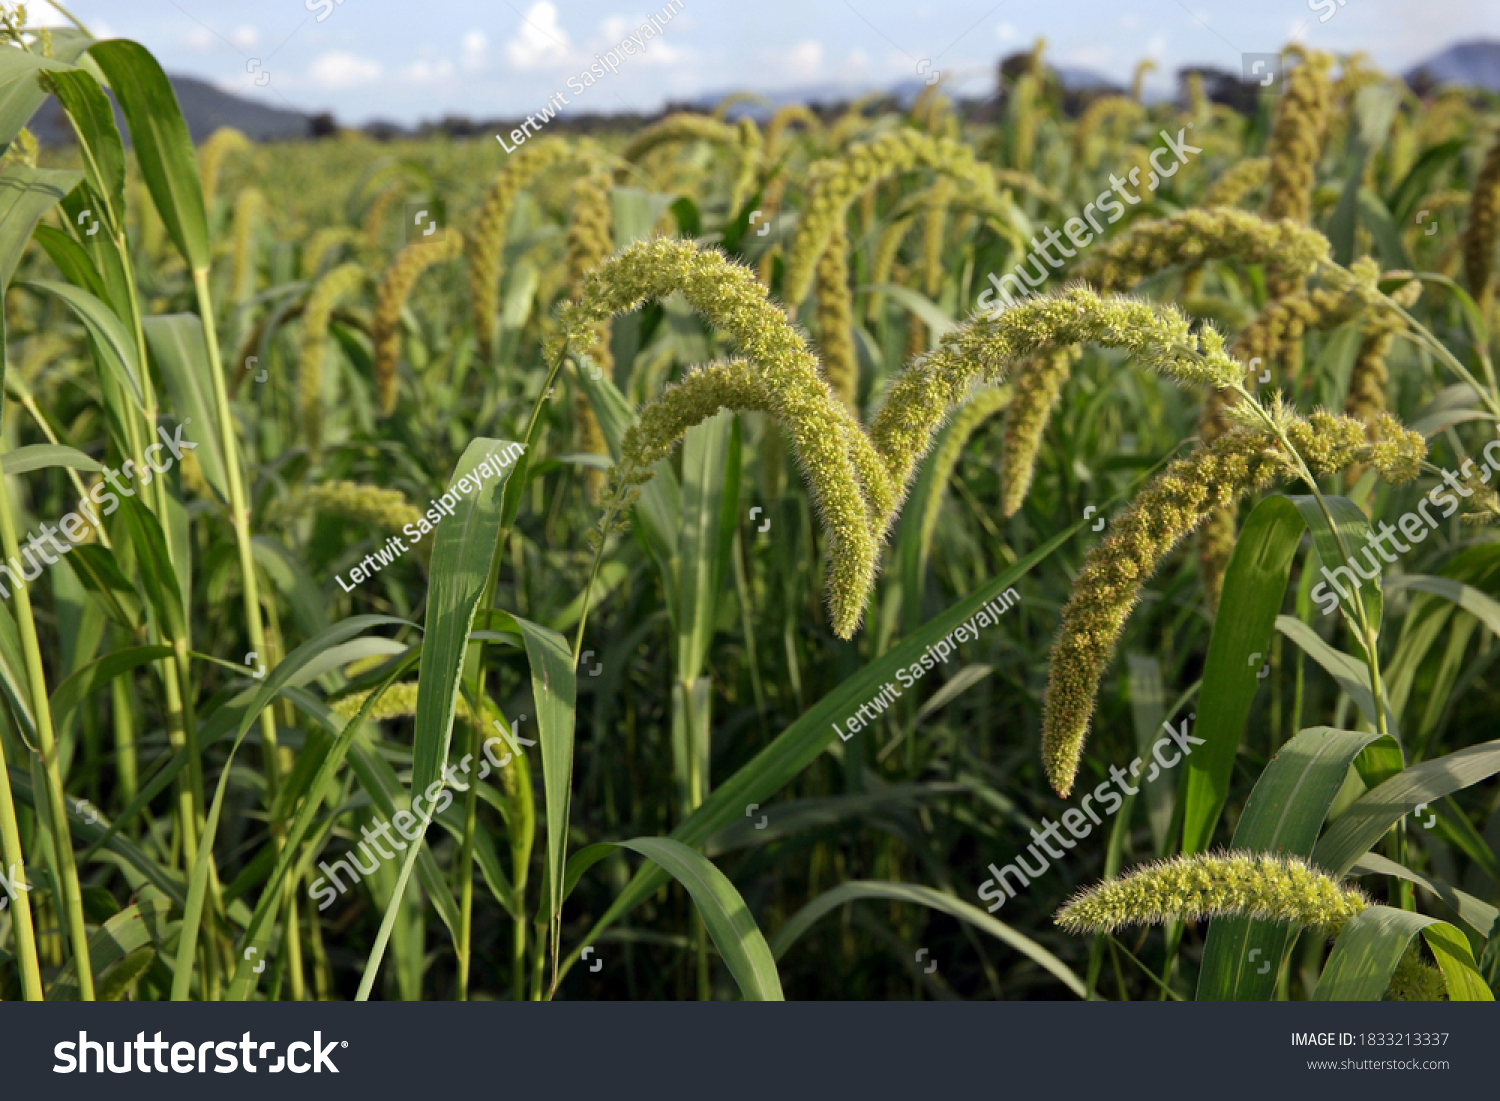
{"points": [[367, 59]]}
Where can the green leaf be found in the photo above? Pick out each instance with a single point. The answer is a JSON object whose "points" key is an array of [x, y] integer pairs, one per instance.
{"points": [[725, 915], [133, 928], [177, 345], [112, 344], [463, 546], [39, 456], [95, 675], [1347, 539], [163, 148], [554, 689], [71, 259], [99, 144], [1352, 674], [803, 919], [1254, 587], [1473, 912], [1484, 608], [1365, 956], [805, 740], [198, 882], [1284, 814], [25, 195], [20, 94], [1368, 818], [1403, 200]]}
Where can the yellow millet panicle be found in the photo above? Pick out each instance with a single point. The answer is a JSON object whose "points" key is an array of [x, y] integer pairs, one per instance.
{"points": [[849, 482], [1369, 376], [386, 509], [1483, 224], [1164, 513], [486, 241], [836, 182], [321, 244], [787, 116], [1113, 114], [395, 285], [1266, 886], [328, 290], [1138, 78], [733, 384], [212, 155], [836, 321], [1296, 140], [590, 240], [1215, 548], [1023, 114], [1038, 383], [887, 247], [1197, 235], [979, 408], [1013, 180], [677, 128], [734, 99], [375, 214], [1237, 181], [249, 208], [399, 701], [750, 147], [990, 344]]}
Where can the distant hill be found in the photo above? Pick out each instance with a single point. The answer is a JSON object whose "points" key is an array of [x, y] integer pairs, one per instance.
{"points": [[204, 107], [1474, 64]]}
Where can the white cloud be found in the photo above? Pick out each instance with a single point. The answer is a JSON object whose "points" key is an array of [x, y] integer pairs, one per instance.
{"points": [[474, 51], [199, 40], [245, 37], [39, 13], [1156, 47], [539, 41], [338, 69], [1005, 32], [804, 61], [427, 72]]}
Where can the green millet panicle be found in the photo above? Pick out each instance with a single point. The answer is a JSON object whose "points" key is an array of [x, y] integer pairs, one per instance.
{"points": [[836, 182], [701, 393], [324, 242], [848, 481], [785, 117], [387, 509], [1297, 138], [1266, 886], [1483, 224], [681, 127], [1038, 384], [750, 146], [214, 152], [249, 210], [989, 344], [1237, 181], [486, 241], [836, 320], [590, 240], [325, 293], [971, 416], [395, 285], [1193, 236], [399, 701], [1166, 511]]}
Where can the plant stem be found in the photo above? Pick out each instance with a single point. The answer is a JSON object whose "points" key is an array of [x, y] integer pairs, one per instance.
{"points": [[72, 901]]}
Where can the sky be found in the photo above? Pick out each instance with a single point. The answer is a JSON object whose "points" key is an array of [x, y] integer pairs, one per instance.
{"points": [[407, 62]]}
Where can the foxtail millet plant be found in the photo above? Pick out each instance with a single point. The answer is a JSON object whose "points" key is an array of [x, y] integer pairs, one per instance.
{"points": [[315, 316], [836, 182], [396, 283], [1165, 512], [485, 243], [835, 319], [1483, 226]]}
